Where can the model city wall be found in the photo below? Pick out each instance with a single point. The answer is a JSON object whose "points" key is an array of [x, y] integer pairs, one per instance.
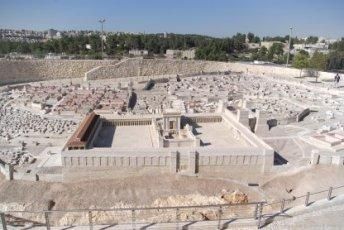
{"points": [[19, 71]]}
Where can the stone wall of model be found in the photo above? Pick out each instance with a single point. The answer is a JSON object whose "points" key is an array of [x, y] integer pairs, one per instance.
{"points": [[152, 67], [19, 71], [191, 163]]}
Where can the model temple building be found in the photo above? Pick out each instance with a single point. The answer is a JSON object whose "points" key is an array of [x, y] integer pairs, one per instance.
{"points": [[168, 142]]}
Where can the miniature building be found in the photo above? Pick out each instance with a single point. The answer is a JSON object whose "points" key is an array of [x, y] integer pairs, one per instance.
{"points": [[183, 54], [82, 137], [170, 142], [138, 52], [172, 121]]}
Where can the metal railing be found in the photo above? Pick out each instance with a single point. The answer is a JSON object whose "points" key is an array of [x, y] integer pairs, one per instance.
{"points": [[258, 212]]}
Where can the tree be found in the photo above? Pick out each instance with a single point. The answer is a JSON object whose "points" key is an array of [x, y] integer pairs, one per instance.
{"points": [[335, 61], [277, 38], [313, 74], [275, 49], [256, 39], [250, 37], [318, 61], [337, 46], [23, 48], [214, 52], [262, 53], [304, 52], [239, 42], [312, 40], [301, 61]]}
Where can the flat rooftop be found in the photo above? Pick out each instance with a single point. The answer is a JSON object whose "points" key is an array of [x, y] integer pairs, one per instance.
{"points": [[218, 134], [125, 136]]}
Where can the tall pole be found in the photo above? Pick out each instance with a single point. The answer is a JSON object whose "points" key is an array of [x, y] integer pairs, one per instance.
{"points": [[102, 21], [291, 28]]}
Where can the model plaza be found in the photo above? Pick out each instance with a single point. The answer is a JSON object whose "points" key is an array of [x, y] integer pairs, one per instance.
{"points": [[168, 142]]}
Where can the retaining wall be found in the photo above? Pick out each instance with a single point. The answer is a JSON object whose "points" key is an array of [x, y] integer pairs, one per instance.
{"points": [[150, 67], [120, 163], [19, 71]]}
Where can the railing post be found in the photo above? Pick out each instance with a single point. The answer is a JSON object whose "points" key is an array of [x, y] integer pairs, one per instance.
{"points": [[329, 195], [90, 221], [177, 218], [220, 215], [255, 215], [133, 219], [307, 199], [3, 221], [282, 205], [260, 214], [47, 223]]}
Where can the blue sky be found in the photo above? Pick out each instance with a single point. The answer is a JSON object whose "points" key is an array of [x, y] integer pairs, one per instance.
{"points": [[218, 18]]}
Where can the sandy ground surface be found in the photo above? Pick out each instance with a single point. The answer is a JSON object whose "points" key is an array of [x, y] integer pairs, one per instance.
{"points": [[300, 182], [166, 190], [160, 191], [135, 191], [143, 191]]}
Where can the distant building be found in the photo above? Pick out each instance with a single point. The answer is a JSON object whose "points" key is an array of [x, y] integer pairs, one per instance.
{"points": [[52, 56], [189, 54], [312, 48], [269, 44], [253, 45], [15, 55], [172, 53], [51, 33], [58, 35], [37, 105], [137, 52], [183, 54], [21, 35]]}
